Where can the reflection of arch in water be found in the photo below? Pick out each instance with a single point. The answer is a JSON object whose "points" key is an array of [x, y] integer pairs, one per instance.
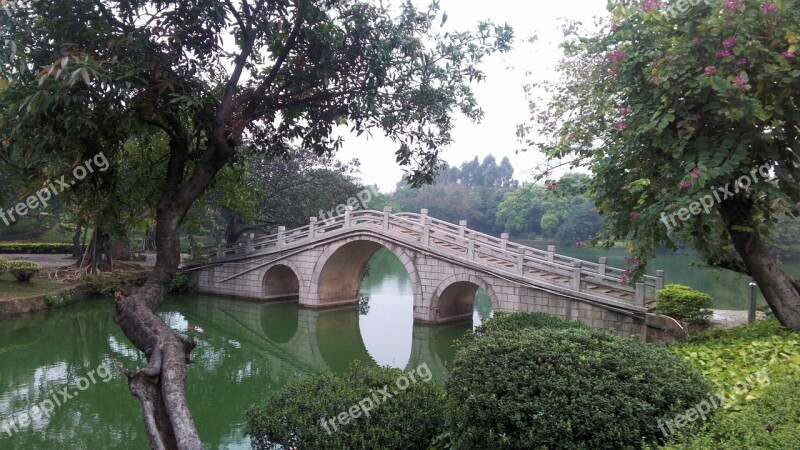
{"points": [[279, 321], [338, 337], [281, 282], [340, 268], [455, 297], [434, 345]]}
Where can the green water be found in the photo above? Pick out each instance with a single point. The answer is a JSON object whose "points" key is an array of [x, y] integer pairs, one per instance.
{"points": [[246, 351], [729, 290]]}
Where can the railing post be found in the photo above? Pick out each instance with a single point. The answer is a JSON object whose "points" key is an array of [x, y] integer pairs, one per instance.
{"points": [[576, 276], [602, 269], [250, 243], [281, 237], [348, 217], [462, 228], [639, 299], [521, 262], [312, 228], [386, 211], [551, 253], [426, 232], [471, 248], [659, 280], [504, 241], [220, 252]]}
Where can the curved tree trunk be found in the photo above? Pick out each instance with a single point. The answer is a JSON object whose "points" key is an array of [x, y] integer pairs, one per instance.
{"points": [[779, 289], [97, 257], [77, 248]]}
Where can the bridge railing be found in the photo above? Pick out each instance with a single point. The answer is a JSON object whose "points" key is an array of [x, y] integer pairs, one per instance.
{"points": [[524, 261]]}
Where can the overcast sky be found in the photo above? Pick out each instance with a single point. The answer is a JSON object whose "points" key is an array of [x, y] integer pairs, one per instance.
{"points": [[500, 96]]}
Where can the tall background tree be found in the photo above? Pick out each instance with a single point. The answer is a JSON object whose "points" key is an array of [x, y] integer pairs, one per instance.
{"points": [[666, 109], [212, 75]]}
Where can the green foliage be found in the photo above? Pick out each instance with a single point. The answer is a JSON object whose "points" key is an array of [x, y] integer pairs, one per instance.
{"points": [[180, 284], [665, 109], [4, 264], [684, 303], [511, 321], [565, 388], [52, 299], [771, 422], [35, 248], [292, 418], [23, 271], [55, 300], [729, 356]]}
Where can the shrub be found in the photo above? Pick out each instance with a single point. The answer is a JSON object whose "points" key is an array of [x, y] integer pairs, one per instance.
{"points": [[23, 271], [771, 422], [293, 417], [3, 265], [180, 284], [35, 248], [565, 388], [683, 303], [516, 321]]}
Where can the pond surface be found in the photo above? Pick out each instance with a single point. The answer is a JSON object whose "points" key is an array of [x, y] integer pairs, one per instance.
{"points": [[729, 290], [246, 351]]}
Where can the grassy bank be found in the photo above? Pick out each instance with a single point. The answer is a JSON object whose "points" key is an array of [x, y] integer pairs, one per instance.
{"points": [[757, 367]]}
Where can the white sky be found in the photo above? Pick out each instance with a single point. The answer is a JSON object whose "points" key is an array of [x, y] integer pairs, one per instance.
{"points": [[500, 95]]}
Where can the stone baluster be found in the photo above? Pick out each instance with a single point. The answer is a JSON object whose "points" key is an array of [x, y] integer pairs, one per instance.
{"points": [[387, 210], [602, 269], [551, 253], [576, 275], [312, 228], [281, 236], [639, 298], [348, 217], [659, 280]]}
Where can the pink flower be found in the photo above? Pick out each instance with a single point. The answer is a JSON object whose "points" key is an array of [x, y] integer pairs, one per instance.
{"points": [[628, 272], [614, 28], [650, 4], [613, 71], [551, 186], [686, 184], [768, 7], [579, 244], [625, 110], [710, 70], [616, 55], [655, 80], [741, 61], [729, 24], [732, 5], [730, 42], [723, 53], [788, 54], [695, 173], [671, 57], [634, 215], [740, 81], [621, 125]]}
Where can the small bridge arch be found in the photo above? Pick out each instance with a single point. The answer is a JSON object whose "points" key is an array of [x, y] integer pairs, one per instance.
{"points": [[454, 298], [281, 281]]}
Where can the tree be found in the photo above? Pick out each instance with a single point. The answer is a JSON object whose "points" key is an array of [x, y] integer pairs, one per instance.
{"points": [[212, 75], [671, 110]]}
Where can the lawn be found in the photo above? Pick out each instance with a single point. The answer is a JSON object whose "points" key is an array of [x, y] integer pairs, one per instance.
{"points": [[10, 288]]}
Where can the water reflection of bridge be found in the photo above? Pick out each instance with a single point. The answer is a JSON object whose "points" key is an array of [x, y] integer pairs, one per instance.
{"points": [[304, 340]]}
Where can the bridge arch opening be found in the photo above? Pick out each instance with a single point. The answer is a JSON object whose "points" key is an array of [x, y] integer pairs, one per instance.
{"points": [[281, 283], [464, 298]]}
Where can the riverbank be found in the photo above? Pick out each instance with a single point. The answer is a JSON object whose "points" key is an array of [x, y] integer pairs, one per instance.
{"points": [[45, 291]]}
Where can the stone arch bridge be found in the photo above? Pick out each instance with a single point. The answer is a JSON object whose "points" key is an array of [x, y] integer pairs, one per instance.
{"points": [[322, 264]]}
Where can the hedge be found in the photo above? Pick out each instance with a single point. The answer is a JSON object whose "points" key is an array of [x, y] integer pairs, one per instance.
{"points": [[3, 265], [683, 303], [515, 321], [292, 418], [565, 388], [35, 248]]}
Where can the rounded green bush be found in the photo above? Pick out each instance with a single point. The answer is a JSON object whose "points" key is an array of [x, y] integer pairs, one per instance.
{"points": [[23, 271], [293, 418], [567, 388], [516, 321], [3, 265], [683, 303]]}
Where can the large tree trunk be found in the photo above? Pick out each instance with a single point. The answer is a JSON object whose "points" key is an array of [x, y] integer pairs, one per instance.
{"points": [[160, 386], [779, 289], [77, 248], [97, 257]]}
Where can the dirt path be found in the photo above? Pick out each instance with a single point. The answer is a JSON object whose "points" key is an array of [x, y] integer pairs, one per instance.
{"points": [[56, 261]]}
